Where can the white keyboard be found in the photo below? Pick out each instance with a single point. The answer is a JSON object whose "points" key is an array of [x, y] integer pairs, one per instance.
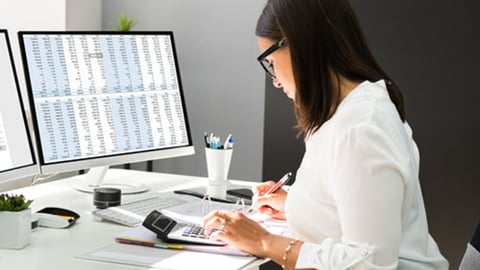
{"points": [[133, 214]]}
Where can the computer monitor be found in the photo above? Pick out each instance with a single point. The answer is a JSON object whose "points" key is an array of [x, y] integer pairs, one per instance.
{"points": [[104, 98], [16, 152]]}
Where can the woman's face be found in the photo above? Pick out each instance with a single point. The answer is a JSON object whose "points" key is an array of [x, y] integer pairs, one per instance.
{"points": [[280, 59]]}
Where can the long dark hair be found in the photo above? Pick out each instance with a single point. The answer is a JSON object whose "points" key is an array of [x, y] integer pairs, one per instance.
{"points": [[324, 38]]}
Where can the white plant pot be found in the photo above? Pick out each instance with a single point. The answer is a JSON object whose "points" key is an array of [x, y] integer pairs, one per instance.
{"points": [[15, 229]]}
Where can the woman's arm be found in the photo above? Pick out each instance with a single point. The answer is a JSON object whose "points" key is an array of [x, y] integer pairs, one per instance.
{"points": [[249, 236]]}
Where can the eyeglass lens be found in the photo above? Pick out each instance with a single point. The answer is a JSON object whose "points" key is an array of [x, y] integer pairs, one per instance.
{"points": [[268, 66]]}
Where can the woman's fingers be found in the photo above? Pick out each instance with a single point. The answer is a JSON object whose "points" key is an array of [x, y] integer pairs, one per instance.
{"points": [[212, 220]]}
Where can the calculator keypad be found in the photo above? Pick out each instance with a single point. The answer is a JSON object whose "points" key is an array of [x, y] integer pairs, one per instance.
{"points": [[195, 231]]}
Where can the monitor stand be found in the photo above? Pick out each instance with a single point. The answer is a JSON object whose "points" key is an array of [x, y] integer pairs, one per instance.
{"points": [[95, 178]]}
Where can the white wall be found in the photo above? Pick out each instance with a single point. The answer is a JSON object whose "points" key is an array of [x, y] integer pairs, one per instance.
{"points": [[30, 15], [223, 83], [27, 15]]}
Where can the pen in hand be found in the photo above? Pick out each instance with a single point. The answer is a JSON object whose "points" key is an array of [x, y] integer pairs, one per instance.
{"points": [[275, 187], [279, 183]]}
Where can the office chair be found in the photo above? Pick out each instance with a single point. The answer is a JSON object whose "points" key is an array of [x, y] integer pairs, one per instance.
{"points": [[471, 258]]}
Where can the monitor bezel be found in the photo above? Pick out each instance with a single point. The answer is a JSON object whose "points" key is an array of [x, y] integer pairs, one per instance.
{"points": [[25, 170], [113, 159]]}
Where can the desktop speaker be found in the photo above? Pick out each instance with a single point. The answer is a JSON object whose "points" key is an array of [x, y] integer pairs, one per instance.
{"points": [[106, 197]]}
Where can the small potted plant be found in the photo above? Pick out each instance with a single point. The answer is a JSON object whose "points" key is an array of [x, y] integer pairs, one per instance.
{"points": [[15, 221], [124, 23]]}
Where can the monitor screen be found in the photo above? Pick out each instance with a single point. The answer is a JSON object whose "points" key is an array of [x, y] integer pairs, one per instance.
{"points": [[104, 98], [16, 152]]}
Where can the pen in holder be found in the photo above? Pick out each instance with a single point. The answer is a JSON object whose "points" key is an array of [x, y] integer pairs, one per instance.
{"points": [[218, 165]]}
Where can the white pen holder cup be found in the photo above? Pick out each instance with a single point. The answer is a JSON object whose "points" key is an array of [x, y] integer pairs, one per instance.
{"points": [[218, 165]]}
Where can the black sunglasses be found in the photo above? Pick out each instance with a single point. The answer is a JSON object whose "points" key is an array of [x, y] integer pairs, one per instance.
{"points": [[262, 59]]}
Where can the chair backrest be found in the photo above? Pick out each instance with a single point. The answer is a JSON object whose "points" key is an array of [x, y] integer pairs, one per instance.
{"points": [[476, 238], [471, 258]]}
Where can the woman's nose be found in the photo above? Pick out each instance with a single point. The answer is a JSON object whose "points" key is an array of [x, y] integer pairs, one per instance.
{"points": [[276, 83]]}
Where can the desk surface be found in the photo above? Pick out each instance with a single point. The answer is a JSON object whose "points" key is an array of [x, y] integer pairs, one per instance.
{"points": [[57, 249]]}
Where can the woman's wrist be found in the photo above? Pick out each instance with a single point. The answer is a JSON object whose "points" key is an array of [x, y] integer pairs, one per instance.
{"points": [[281, 249], [285, 261], [268, 242]]}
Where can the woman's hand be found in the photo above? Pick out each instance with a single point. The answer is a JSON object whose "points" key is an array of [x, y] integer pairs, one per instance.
{"points": [[270, 204], [239, 231]]}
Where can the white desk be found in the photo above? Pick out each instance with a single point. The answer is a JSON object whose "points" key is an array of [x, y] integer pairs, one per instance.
{"points": [[57, 249]]}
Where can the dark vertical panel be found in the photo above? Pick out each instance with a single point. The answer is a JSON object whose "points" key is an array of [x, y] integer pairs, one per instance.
{"points": [[431, 49], [282, 150]]}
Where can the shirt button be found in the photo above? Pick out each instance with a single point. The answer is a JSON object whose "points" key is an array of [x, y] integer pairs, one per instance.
{"points": [[363, 252]]}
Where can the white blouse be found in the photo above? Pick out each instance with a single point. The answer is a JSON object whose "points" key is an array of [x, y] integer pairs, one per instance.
{"points": [[357, 202]]}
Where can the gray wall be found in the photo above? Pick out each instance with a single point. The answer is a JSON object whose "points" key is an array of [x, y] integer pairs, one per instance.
{"points": [[223, 83], [431, 49]]}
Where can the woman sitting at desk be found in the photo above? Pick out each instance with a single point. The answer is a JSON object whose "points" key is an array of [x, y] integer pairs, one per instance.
{"points": [[356, 202]]}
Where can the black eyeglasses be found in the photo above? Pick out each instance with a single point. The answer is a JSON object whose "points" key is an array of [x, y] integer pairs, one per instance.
{"points": [[264, 62]]}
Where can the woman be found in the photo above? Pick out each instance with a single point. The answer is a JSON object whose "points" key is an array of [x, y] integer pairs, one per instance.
{"points": [[356, 202]]}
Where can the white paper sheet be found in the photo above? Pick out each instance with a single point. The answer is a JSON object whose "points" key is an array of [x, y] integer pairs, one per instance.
{"points": [[164, 258]]}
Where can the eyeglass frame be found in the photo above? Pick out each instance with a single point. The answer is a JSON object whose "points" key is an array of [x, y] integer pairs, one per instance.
{"points": [[206, 206], [261, 58]]}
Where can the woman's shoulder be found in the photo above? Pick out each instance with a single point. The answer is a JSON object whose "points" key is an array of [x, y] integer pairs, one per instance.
{"points": [[369, 101], [367, 109]]}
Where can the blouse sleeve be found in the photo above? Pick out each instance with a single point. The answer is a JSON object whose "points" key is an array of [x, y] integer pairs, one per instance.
{"points": [[368, 191]]}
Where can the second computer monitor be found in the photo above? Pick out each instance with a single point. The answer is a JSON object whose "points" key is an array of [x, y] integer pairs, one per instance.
{"points": [[16, 152], [104, 98]]}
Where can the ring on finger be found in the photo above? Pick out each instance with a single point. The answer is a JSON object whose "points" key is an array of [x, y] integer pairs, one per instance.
{"points": [[223, 222]]}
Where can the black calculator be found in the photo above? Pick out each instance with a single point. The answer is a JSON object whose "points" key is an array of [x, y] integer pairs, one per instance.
{"points": [[170, 231]]}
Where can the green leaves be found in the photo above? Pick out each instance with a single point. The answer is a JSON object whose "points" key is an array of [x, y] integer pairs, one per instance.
{"points": [[124, 23], [13, 203]]}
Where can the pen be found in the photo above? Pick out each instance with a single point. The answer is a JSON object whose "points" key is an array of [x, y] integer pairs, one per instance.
{"points": [[279, 183], [229, 143], [211, 141], [207, 141], [274, 188], [227, 140], [148, 243]]}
